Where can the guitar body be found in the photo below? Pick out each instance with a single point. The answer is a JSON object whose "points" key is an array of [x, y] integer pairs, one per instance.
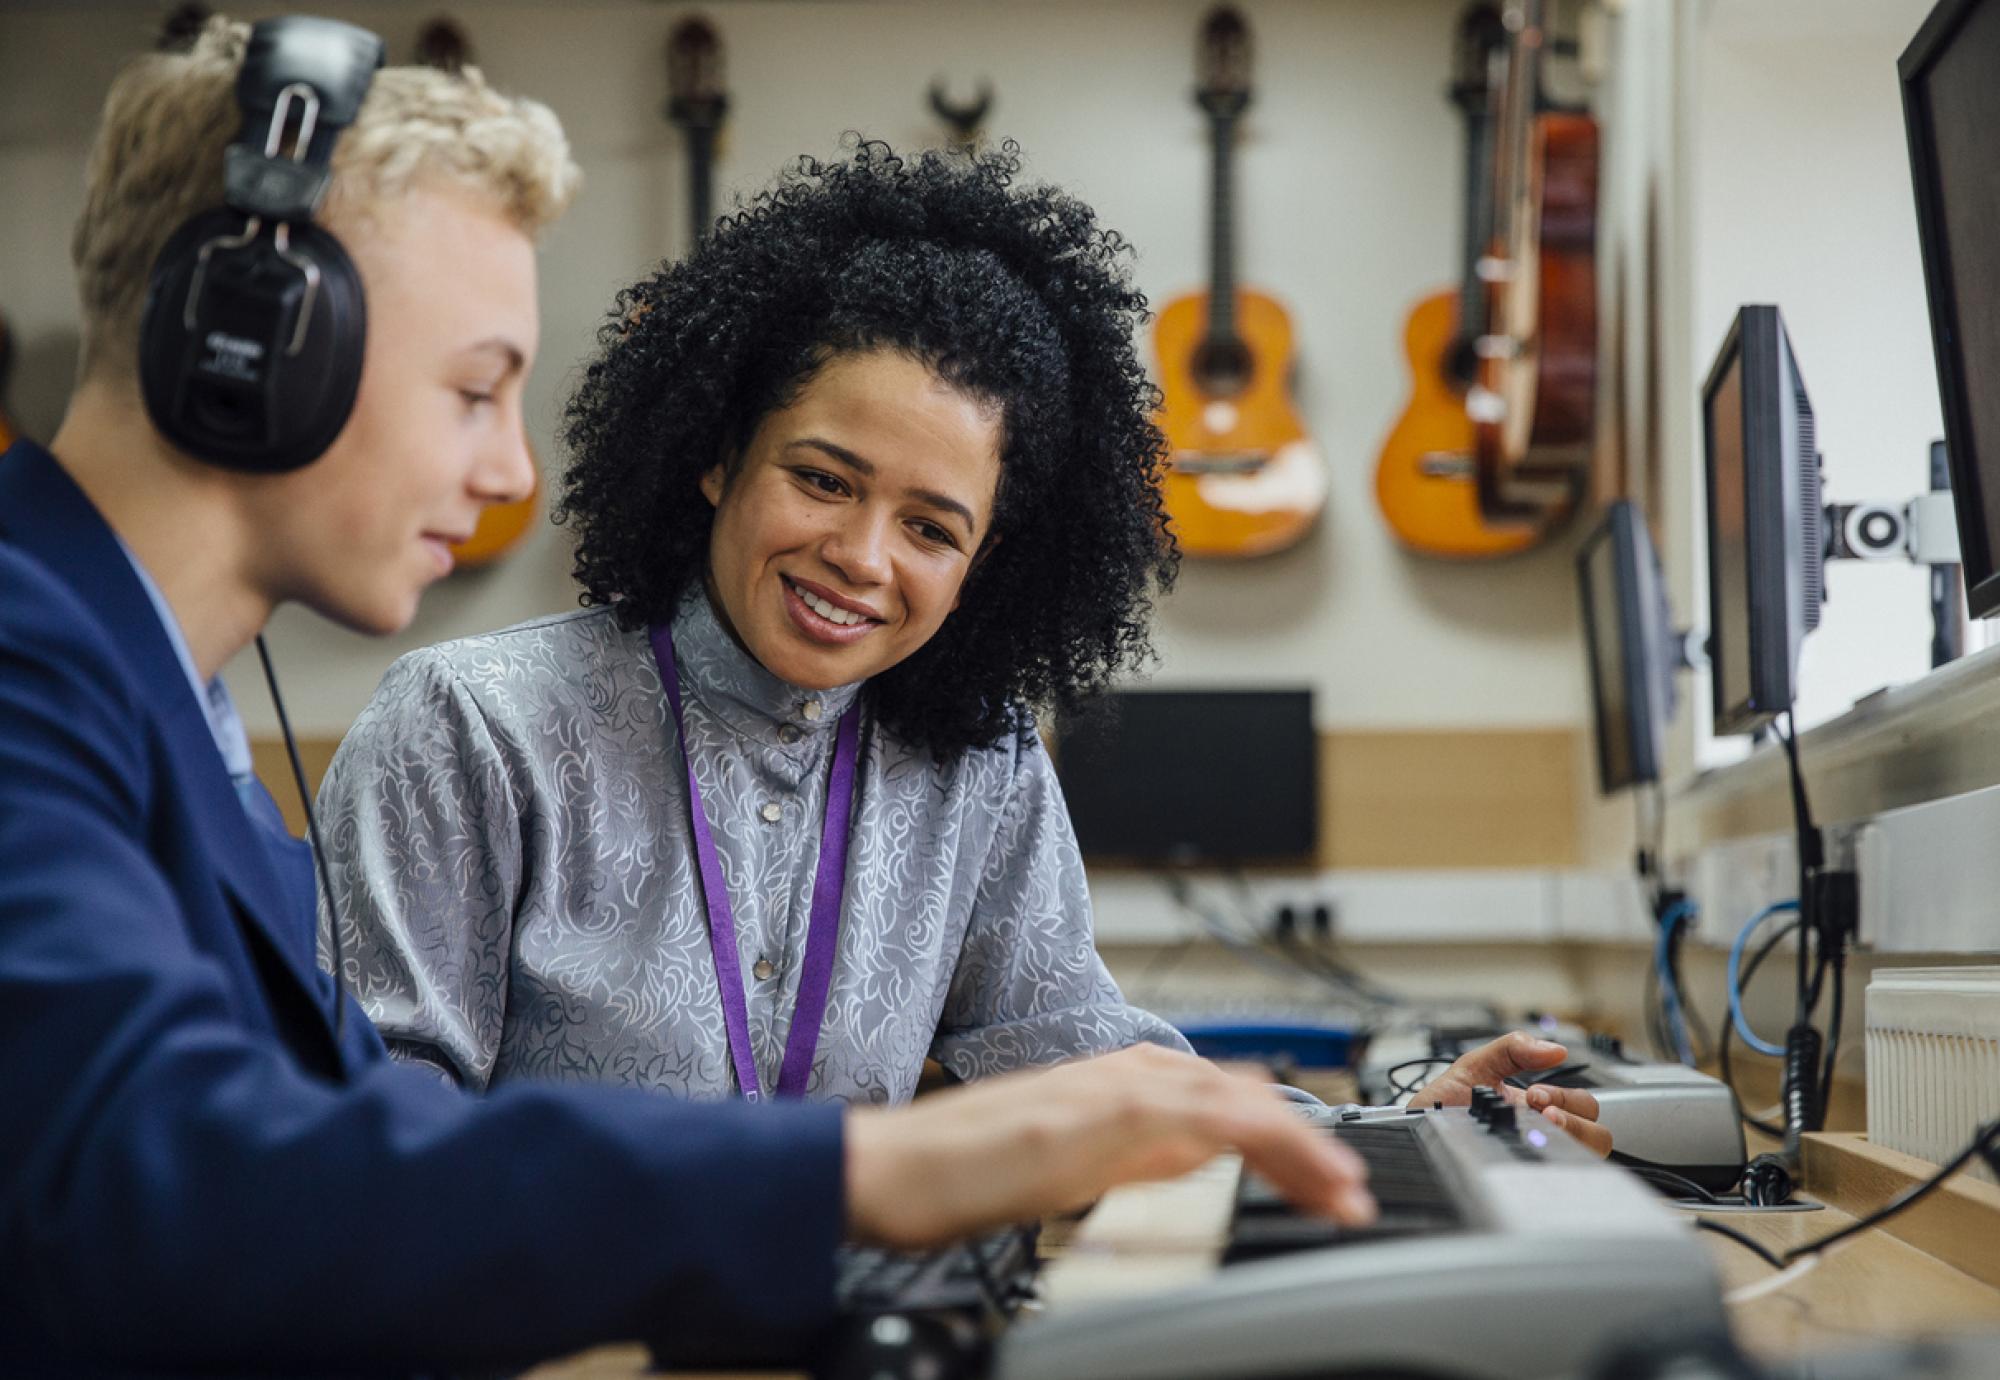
{"points": [[1566, 384], [1425, 481], [1244, 479]]}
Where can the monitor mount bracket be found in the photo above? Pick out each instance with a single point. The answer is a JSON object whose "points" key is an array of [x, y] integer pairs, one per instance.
{"points": [[1923, 531]]}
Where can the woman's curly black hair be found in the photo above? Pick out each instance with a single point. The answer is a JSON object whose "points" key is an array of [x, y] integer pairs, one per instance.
{"points": [[1013, 294]]}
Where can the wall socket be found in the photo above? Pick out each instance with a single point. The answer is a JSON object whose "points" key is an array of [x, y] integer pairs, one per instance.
{"points": [[1313, 919]]}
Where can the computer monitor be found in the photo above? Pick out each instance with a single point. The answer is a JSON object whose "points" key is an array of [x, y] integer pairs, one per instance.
{"points": [[1951, 110], [1765, 550], [1629, 648], [1185, 777]]}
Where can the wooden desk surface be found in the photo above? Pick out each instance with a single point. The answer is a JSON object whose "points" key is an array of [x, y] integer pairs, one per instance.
{"points": [[1932, 1268], [1875, 1287]]}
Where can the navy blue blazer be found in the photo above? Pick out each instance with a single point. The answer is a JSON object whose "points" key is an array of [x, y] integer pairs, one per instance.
{"points": [[193, 1175]]}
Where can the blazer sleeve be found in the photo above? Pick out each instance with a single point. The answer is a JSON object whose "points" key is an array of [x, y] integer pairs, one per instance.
{"points": [[176, 1191], [424, 857], [1029, 987]]}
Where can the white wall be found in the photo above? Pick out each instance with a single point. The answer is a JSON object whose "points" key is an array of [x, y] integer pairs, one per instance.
{"points": [[1349, 186], [1802, 197]]}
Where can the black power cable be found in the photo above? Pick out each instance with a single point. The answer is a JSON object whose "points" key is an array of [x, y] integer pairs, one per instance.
{"points": [[1985, 1141], [1743, 1239], [1401, 1089], [1659, 1176], [1827, 914]]}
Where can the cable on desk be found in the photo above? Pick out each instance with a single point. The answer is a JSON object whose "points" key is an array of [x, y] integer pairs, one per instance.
{"points": [[1662, 1177], [1400, 1089], [1983, 1143], [1743, 1239], [1774, 1283]]}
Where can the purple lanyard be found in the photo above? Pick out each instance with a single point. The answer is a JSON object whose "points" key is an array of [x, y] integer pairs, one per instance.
{"points": [[822, 934]]}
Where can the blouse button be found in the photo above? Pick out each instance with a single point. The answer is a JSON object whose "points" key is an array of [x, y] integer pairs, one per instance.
{"points": [[772, 812], [789, 734], [762, 970], [812, 710]]}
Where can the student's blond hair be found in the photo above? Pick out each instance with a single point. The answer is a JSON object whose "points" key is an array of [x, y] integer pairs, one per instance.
{"points": [[158, 160]]}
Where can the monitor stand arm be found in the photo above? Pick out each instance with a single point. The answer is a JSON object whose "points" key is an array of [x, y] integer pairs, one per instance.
{"points": [[1922, 531]]}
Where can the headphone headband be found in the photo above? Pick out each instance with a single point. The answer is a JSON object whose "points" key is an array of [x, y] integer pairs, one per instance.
{"points": [[319, 68]]}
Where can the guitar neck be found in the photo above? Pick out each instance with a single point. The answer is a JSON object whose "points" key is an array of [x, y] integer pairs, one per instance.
{"points": [[1222, 230], [1514, 188], [1478, 223]]}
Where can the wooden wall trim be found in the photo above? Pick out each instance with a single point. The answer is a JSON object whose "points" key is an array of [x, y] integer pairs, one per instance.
{"points": [[1449, 798], [1388, 799]]}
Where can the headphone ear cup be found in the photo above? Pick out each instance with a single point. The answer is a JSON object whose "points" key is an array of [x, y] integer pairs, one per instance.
{"points": [[217, 371]]}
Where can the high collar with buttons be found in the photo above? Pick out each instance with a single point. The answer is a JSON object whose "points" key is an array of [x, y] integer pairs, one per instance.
{"points": [[735, 687]]}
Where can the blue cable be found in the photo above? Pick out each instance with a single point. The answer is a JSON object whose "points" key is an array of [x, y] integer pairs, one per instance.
{"points": [[1743, 1030], [1670, 997]]}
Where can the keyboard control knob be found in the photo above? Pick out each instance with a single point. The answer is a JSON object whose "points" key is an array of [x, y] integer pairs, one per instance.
{"points": [[1501, 1120]]}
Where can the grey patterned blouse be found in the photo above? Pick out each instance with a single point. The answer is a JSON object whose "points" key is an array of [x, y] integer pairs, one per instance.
{"points": [[513, 864]]}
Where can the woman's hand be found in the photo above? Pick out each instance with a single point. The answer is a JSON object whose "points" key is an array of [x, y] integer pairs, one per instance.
{"points": [[1020, 1146], [1573, 1109]]}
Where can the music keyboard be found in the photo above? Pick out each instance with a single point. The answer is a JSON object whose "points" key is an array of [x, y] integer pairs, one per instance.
{"points": [[1504, 1251]]}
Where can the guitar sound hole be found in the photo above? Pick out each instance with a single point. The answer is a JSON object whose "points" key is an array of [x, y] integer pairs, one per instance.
{"points": [[1461, 363], [1222, 368]]}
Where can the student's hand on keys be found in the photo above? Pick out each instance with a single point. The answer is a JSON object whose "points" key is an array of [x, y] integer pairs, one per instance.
{"points": [[1020, 1146], [1573, 1109]]}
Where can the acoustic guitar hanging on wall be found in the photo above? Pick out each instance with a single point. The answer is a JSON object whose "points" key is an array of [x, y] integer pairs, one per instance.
{"points": [[502, 526], [1243, 477], [1426, 481], [1533, 406]]}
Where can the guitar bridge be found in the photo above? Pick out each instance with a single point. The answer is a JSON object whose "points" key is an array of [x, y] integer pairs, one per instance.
{"points": [[1446, 464], [1219, 461]]}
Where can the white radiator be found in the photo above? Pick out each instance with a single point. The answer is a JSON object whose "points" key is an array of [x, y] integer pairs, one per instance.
{"points": [[1933, 1059]]}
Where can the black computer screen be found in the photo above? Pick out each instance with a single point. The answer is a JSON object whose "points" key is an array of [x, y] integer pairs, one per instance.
{"points": [[1951, 110], [1765, 544], [1193, 776], [1611, 687], [1628, 647]]}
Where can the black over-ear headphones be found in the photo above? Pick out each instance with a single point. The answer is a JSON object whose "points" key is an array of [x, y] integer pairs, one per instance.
{"points": [[250, 350]]}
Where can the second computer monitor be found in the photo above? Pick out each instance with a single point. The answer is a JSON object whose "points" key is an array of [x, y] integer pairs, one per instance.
{"points": [[1628, 645], [1951, 108], [1765, 549], [1215, 777]]}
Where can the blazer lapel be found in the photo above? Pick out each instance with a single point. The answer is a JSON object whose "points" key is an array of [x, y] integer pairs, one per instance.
{"points": [[44, 513]]}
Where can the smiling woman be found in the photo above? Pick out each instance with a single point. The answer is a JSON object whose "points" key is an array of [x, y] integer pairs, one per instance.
{"points": [[858, 487]]}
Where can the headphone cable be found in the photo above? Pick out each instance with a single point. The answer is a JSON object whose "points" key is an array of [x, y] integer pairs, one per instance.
{"points": [[312, 833]]}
